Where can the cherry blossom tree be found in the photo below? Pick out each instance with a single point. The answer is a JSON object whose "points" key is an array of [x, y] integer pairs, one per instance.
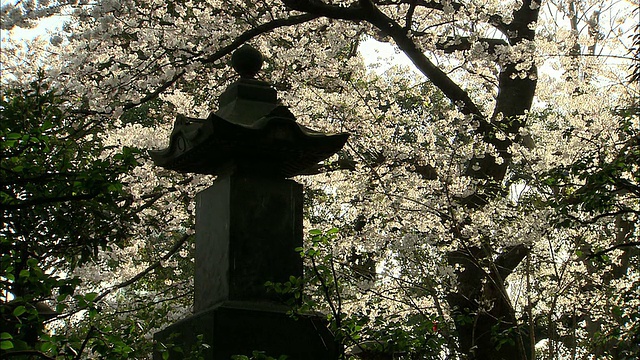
{"points": [[487, 208]]}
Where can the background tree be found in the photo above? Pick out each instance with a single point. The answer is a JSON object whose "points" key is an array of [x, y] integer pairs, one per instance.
{"points": [[62, 202], [65, 209]]}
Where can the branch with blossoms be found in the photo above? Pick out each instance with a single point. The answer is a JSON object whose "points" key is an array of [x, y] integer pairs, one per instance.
{"points": [[149, 269], [595, 219], [211, 58], [174, 249], [25, 14], [515, 93], [226, 50], [598, 254], [365, 10], [151, 304]]}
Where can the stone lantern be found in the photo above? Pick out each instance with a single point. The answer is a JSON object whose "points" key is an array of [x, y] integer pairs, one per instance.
{"points": [[249, 222]]}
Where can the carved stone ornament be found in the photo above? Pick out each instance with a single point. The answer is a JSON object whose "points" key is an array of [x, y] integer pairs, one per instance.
{"points": [[252, 133]]}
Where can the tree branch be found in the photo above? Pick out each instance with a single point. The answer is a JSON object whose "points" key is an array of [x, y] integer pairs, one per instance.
{"points": [[258, 30], [452, 44], [365, 10], [84, 343], [436, 5], [494, 20], [506, 262], [515, 94], [594, 219], [353, 12], [156, 92], [244, 37], [51, 200], [146, 271], [37, 353], [618, 246], [408, 20]]}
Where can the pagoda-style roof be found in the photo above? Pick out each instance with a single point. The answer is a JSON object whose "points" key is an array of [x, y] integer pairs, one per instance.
{"points": [[251, 133]]}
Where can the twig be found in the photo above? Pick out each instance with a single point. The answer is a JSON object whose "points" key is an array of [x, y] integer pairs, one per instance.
{"points": [[85, 342]]}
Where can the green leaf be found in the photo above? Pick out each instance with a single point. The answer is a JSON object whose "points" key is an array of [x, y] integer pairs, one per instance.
{"points": [[91, 296], [333, 231], [6, 345], [617, 311], [5, 336], [46, 346], [32, 263], [61, 307], [93, 312], [19, 310], [14, 136]]}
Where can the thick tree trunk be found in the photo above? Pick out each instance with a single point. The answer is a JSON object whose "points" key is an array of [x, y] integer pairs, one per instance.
{"points": [[484, 318], [486, 322]]}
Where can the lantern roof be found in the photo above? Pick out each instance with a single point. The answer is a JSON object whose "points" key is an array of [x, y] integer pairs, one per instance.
{"points": [[251, 133]]}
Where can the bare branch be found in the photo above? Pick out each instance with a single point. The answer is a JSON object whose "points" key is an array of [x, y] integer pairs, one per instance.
{"points": [[452, 44]]}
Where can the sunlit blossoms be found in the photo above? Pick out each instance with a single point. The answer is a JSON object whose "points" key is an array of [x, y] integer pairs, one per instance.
{"points": [[487, 201]]}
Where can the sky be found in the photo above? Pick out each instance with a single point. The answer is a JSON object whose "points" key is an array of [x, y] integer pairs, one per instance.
{"points": [[44, 27], [380, 56]]}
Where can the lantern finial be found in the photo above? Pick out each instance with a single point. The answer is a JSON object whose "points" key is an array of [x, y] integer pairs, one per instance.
{"points": [[247, 61]]}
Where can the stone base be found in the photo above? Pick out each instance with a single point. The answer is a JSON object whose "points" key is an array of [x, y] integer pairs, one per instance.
{"points": [[237, 328]]}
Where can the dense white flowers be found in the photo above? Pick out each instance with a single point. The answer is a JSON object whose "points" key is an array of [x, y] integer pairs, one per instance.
{"points": [[398, 189]]}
